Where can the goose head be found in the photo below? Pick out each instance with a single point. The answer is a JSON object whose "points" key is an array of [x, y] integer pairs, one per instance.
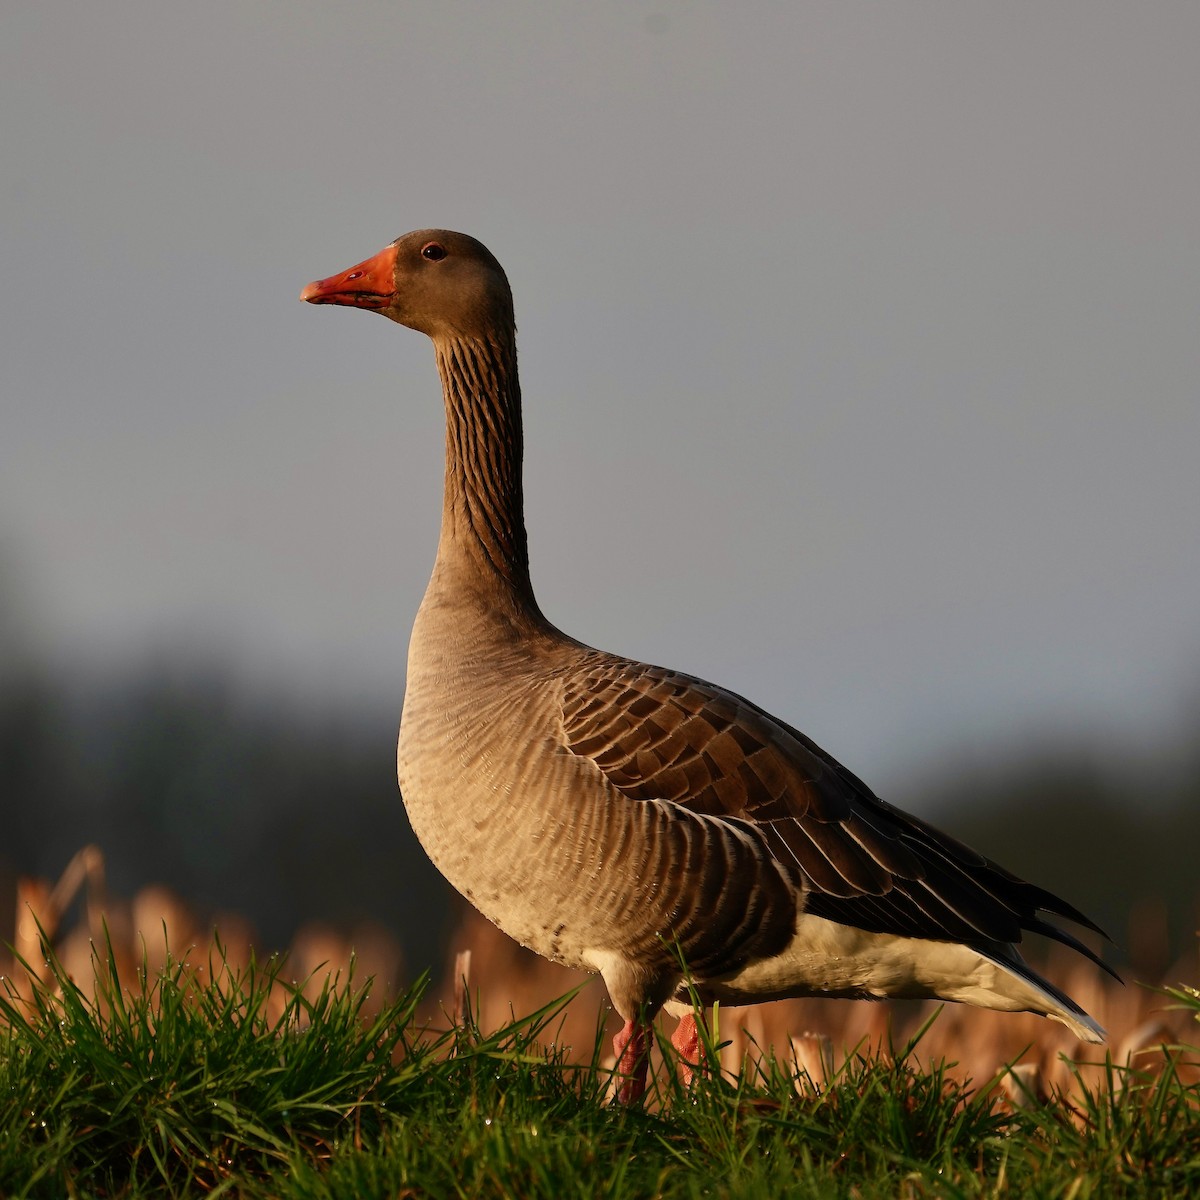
{"points": [[440, 283]]}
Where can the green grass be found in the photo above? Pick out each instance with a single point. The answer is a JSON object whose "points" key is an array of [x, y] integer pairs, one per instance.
{"points": [[170, 1085]]}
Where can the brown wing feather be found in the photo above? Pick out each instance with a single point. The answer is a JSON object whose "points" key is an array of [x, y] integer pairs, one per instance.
{"points": [[656, 734]]}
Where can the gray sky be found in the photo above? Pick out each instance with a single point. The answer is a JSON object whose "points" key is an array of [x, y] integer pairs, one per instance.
{"points": [[859, 344]]}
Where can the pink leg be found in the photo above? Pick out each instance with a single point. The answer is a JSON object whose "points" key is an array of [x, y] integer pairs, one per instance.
{"points": [[633, 1059], [686, 1040]]}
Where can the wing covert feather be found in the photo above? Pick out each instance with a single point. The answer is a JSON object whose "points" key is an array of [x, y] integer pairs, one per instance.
{"points": [[657, 734]]}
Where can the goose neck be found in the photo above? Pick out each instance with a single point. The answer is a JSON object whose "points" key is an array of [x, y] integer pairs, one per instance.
{"points": [[483, 522]]}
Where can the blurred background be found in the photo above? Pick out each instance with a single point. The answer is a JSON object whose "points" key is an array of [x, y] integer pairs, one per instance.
{"points": [[861, 372]]}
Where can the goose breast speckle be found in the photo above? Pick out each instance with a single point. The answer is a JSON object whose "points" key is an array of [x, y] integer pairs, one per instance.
{"points": [[618, 817]]}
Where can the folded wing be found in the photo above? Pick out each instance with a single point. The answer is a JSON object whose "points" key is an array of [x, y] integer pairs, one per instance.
{"points": [[657, 734]]}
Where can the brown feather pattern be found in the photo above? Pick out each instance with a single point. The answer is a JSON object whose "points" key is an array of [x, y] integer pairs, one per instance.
{"points": [[659, 734]]}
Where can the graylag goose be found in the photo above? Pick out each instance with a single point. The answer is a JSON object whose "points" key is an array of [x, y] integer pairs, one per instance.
{"points": [[636, 821]]}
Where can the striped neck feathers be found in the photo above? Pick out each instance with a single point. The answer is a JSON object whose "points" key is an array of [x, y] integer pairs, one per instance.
{"points": [[483, 503]]}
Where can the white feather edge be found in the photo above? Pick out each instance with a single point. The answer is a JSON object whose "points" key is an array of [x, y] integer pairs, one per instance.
{"points": [[828, 959]]}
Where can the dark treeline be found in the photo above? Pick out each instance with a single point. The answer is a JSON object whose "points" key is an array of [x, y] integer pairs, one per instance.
{"points": [[237, 803], [245, 804], [1123, 845]]}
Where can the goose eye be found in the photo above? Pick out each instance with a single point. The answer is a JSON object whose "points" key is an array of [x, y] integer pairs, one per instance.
{"points": [[434, 251]]}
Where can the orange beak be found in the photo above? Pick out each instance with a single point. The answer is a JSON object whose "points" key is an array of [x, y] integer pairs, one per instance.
{"points": [[369, 285]]}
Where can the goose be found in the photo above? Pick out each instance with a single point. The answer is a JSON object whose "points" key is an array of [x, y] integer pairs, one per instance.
{"points": [[639, 822]]}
